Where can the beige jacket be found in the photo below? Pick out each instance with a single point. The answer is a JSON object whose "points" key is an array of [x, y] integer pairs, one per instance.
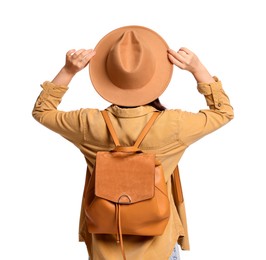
{"points": [[173, 131]]}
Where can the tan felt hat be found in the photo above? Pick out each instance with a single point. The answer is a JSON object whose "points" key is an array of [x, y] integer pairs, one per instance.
{"points": [[131, 66]]}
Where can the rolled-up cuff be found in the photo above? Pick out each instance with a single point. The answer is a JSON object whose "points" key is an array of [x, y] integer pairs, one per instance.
{"points": [[53, 89], [212, 92]]}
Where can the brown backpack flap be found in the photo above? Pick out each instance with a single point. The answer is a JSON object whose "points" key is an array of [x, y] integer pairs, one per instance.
{"points": [[123, 177]]}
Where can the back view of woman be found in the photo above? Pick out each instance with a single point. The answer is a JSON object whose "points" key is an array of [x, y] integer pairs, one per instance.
{"points": [[131, 67]]}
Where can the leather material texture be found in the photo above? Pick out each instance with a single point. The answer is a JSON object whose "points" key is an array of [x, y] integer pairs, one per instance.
{"points": [[127, 192], [141, 193], [124, 177]]}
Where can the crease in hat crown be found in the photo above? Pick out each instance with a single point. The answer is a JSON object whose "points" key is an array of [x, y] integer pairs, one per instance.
{"points": [[131, 67], [130, 63]]}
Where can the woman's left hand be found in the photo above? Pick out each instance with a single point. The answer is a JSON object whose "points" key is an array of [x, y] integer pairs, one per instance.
{"points": [[78, 60], [75, 62]]}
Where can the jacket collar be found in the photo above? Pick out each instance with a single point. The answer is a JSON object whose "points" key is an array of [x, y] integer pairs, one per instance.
{"points": [[130, 112]]}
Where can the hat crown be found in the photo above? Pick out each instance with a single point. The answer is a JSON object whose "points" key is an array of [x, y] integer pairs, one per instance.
{"points": [[130, 64]]}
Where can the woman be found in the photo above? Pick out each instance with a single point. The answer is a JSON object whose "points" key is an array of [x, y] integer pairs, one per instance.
{"points": [[131, 67]]}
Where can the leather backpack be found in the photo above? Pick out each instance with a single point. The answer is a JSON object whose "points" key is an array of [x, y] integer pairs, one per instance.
{"points": [[127, 193]]}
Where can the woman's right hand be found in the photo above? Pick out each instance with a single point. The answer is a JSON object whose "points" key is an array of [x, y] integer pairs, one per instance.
{"points": [[187, 60]]}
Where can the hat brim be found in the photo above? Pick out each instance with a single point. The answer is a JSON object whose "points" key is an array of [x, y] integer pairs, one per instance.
{"points": [[138, 96]]}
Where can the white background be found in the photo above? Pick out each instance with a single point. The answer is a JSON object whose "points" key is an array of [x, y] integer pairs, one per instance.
{"points": [[42, 175]]}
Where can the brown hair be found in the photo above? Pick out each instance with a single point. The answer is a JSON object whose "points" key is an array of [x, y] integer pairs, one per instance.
{"points": [[157, 104]]}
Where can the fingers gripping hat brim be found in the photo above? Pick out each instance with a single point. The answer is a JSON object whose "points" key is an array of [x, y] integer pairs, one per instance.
{"points": [[158, 67]]}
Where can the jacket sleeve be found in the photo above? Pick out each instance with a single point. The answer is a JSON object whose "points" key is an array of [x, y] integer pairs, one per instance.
{"points": [[194, 126], [68, 124]]}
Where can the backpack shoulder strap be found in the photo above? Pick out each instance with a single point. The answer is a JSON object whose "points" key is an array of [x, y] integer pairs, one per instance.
{"points": [[177, 187], [142, 134], [146, 129], [110, 127]]}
